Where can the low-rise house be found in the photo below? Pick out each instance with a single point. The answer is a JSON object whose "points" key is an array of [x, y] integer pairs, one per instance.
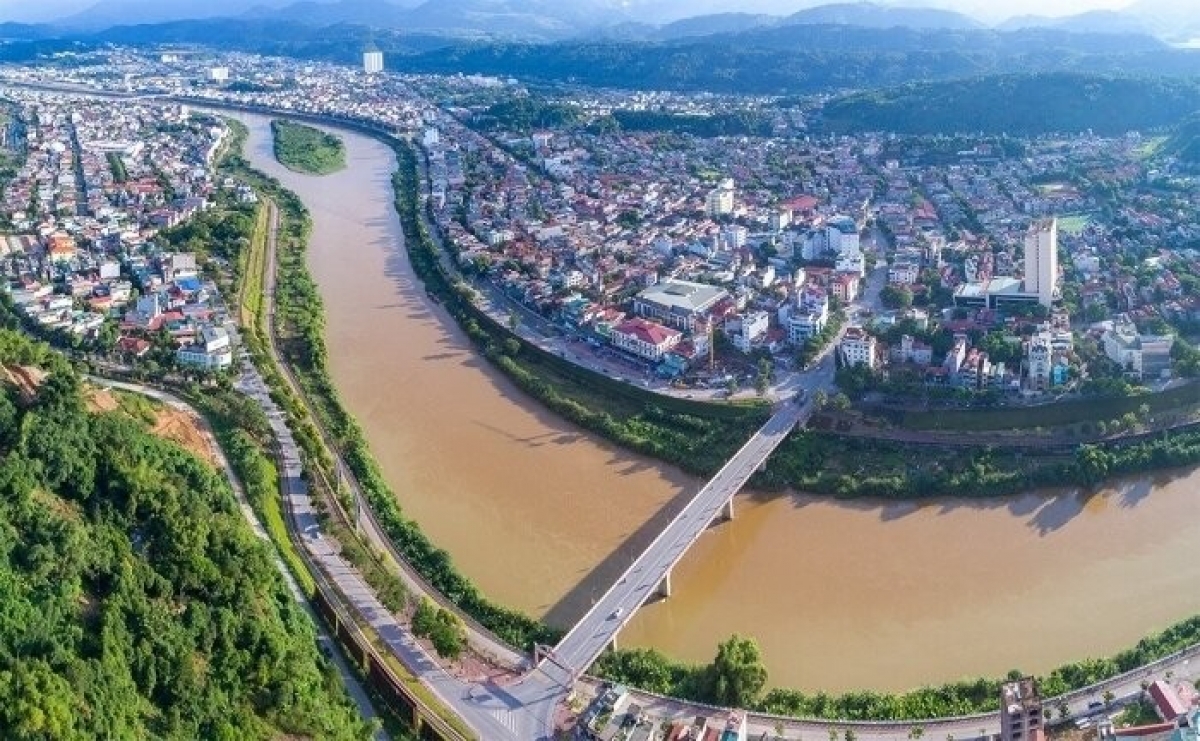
{"points": [[858, 348], [644, 338]]}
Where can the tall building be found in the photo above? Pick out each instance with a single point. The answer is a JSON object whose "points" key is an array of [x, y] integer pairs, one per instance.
{"points": [[720, 199], [1041, 260], [373, 62], [1021, 716]]}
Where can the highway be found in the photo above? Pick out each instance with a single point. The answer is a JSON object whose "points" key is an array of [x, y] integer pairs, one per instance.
{"points": [[597, 629]]}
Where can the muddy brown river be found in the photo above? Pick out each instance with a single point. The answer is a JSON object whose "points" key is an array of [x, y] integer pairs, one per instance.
{"points": [[542, 516]]}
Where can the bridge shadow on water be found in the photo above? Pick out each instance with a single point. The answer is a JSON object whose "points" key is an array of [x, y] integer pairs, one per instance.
{"points": [[594, 582]]}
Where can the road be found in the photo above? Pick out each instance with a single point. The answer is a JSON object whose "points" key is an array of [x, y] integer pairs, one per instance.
{"points": [[481, 640], [328, 645], [525, 710], [597, 629]]}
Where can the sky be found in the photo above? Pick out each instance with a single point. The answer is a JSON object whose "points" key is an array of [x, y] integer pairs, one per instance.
{"points": [[988, 10]]}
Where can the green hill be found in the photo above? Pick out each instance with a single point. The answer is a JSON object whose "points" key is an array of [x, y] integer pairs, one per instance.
{"points": [[135, 603], [1020, 105], [1185, 142]]}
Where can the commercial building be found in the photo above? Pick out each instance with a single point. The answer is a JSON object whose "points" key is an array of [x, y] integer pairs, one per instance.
{"points": [[1139, 356], [678, 303], [1041, 261], [1021, 711], [1039, 284]]}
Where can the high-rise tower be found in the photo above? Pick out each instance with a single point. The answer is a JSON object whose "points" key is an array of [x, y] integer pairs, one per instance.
{"points": [[1041, 260]]}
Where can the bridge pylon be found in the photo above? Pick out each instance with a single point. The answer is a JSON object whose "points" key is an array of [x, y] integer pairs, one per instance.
{"points": [[727, 510], [664, 587]]}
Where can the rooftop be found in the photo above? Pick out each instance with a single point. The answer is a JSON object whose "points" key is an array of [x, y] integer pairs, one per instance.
{"points": [[683, 295]]}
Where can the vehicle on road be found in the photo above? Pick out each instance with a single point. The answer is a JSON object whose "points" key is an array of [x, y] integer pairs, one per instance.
{"points": [[616, 613]]}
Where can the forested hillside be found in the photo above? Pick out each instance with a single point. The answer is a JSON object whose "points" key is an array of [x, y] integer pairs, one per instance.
{"points": [[1020, 105], [1185, 142], [134, 601]]}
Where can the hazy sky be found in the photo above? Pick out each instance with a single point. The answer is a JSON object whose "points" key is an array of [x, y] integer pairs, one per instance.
{"points": [[991, 10]]}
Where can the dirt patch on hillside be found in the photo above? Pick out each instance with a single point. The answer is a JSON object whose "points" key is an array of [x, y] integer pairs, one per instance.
{"points": [[25, 378], [101, 400], [185, 429]]}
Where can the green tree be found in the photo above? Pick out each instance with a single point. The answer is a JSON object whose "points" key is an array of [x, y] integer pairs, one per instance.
{"points": [[424, 620], [449, 635], [738, 674], [1092, 464]]}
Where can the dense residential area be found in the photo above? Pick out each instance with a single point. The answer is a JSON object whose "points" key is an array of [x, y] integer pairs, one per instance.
{"points": [[820, 277], [690, 258]]}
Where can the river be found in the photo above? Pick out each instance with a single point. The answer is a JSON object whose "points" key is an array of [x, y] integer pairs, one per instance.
{"points": [[841, 596]]}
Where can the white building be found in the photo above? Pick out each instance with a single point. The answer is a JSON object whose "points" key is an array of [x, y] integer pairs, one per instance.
{"points": [[748, 330], [678, 303], [1039, 359], [858, 348], [1140, 356], [219, 74], [645, 339], [1041, 261], [734, 236], [372, 62], [210, 351], [721, 199]]}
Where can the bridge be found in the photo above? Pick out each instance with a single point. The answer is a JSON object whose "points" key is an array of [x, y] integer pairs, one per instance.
{"points": [[650, 574]]}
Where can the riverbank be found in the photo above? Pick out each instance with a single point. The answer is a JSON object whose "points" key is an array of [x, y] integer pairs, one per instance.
{"points": [[993, 513], [307, 150]]}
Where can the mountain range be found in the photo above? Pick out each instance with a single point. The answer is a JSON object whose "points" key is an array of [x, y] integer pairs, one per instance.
{"points": [[662, 20]]}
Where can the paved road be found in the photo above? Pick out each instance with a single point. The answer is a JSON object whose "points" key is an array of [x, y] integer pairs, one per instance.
{"points": [[597, 629]]}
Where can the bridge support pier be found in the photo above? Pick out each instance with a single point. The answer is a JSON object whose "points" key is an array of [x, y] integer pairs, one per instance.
{"points": [[727, 510], [664, 588]]}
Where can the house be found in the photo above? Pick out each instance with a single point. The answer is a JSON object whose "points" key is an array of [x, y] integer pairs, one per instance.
{"points": [[644, 338], [857, 348], [211, 350], [747, 330], [911, 350]]}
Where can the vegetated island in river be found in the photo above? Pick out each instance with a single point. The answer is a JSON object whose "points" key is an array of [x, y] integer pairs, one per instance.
{"points": [[306, 149]]}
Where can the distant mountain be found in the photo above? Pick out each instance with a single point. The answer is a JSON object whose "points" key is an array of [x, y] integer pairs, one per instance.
{"points": [[26, 31], [718, 23], [1096, 21], [872, 15], [376, 13], [107, 13], [514, 18], [1040, 42], [1170, 19]]}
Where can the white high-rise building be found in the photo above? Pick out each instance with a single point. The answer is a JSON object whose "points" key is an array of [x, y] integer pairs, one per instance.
{"points": [[372, 62], [1041, 260], [721, 198], [219, 74]]}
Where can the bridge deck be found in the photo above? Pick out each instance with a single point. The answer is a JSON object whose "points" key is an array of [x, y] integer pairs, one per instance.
{"points": [[580, 647]]}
